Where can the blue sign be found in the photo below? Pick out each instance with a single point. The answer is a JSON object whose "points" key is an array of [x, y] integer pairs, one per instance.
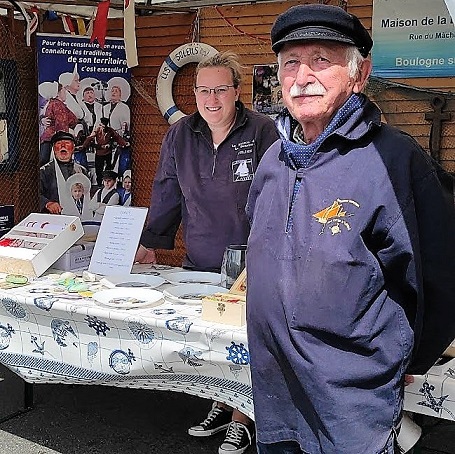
{"points": [[412, 39]]}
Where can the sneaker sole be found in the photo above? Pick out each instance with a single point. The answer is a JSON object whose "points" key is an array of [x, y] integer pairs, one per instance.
{"points": [[207, 433], [235, 451]]}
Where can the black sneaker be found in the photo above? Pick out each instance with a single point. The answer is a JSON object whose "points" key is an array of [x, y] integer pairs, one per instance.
{"points": [[238, 439], [217, 420]]}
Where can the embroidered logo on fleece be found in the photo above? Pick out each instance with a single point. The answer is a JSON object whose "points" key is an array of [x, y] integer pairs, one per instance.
{"points": [[242, 170], [334, 216]]}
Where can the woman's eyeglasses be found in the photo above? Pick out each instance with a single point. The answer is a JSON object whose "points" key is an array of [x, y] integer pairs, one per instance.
{"points": [[220, 92]]}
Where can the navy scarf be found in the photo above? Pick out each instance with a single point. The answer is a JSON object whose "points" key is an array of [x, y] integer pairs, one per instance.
{"points": [[300, 155]]}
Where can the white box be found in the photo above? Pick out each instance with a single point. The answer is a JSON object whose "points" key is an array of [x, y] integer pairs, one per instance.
{"points": [[77, 257], [33, 245]]}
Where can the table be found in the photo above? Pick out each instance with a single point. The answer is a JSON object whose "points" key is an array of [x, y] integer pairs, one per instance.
{"points": [[46, 338], [50, 338], [433, 394]]}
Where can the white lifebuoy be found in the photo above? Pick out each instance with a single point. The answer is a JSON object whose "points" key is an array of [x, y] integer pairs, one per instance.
{"points": [[187, 53]]}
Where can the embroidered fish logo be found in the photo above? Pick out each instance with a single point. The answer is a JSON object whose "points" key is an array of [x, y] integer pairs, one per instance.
{"points": [[333, 215]]}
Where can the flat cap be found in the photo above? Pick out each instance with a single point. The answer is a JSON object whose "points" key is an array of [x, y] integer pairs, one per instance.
{"points": [[319, 22], [109, 175], [62, 135]]}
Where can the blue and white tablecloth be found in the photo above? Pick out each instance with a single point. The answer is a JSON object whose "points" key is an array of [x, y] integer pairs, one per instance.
{"points": [[62, 338]]}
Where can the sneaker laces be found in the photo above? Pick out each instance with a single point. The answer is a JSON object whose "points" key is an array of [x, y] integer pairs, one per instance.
{"points": [[212, 415], [234, 433]]}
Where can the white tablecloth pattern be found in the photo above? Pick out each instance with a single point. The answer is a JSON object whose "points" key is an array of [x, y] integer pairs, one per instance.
{"points": [[433, 394], [46, 338], [49, 338]]}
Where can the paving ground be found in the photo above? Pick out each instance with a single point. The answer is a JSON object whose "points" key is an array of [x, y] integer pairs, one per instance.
{"points": [[104, 420]]}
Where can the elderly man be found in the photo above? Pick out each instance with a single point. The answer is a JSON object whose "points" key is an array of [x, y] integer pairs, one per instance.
{"points": [[54, 194], [350, 256]]}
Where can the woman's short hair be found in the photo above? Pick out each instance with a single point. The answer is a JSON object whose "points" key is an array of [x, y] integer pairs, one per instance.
{"points": [[227, 59]]}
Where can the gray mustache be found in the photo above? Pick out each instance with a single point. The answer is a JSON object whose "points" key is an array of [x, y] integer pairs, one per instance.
{"points": [[309, 90]]}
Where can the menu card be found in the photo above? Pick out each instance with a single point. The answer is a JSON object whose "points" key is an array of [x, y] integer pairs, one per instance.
{"points": [[117, 240]]}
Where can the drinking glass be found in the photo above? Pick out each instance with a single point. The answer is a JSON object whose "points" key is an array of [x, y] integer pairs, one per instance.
{"points": [[233, 264]]}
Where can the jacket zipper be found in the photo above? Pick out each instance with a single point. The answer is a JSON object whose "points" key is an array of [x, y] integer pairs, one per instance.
{"points": [[215, 152], [294, 192]]}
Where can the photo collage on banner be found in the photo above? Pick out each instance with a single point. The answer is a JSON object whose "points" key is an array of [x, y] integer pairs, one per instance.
{"points": [[84, 90]]}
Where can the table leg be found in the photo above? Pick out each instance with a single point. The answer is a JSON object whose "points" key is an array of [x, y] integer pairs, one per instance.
{"points": [[28, 403], [28, 396]]}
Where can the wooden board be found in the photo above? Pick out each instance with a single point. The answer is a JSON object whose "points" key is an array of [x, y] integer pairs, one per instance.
{"points": [[239, 286]]}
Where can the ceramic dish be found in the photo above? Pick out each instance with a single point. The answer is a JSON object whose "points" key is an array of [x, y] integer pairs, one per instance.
{"points": [[191, 293], [132, 280], [128, 298], [193, 277]]}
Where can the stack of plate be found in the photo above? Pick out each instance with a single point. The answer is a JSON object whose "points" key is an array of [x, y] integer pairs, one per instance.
{"points": [[132, 280], [128, 298], [193, 277], [191, 293]]}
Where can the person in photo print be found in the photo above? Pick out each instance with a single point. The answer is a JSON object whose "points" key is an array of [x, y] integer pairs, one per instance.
{"points": [[79, 187], [77, 192], [105, 196], [72, 85], [93, 110], [351, 255], [54, 195], [103, 139], [207, 162], [56, 116], [116, 110], [125, 191]]}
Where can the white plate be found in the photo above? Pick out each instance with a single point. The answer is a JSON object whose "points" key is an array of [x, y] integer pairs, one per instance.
{"points": [[193, 277], [191, 293], [144, 297], [132, 280]]}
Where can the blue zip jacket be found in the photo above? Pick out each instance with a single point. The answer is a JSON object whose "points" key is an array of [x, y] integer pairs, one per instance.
{"points": [[357, 291], [204, 188]]}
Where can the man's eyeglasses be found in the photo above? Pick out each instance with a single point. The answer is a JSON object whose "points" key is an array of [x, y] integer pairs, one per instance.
{"points": [[220, 92]]}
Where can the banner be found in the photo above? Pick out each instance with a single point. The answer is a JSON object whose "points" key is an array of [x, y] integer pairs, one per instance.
{"points": [[412, 39], [84, 90], [129, 32]]}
